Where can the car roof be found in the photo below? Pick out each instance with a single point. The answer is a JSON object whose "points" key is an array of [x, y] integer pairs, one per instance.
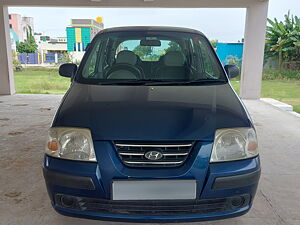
{"points": [[150, 28]]}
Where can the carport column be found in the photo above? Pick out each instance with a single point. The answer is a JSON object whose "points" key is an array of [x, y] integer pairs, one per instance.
{"points": [[7, 85], [255, 31]]}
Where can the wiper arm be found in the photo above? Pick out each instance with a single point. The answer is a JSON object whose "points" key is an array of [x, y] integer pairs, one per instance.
{"points": [[133, 82]]}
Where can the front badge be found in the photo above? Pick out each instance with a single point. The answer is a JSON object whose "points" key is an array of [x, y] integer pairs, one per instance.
{"points": [[153, 155]]}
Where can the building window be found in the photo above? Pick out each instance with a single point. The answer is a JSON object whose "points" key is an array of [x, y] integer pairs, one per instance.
{"points": [[10, 26], [9, 17]]}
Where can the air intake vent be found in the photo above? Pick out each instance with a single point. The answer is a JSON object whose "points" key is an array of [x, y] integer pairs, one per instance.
{"points": [[153, 154]]}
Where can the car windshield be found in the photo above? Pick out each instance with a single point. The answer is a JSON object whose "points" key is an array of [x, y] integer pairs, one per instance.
{"points": [[150, 57]]}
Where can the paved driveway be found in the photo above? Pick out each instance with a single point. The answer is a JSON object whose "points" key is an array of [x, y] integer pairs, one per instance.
{"points": [[24, 120]]}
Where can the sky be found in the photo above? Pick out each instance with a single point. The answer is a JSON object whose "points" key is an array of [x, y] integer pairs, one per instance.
{"points": [[225, 25]]}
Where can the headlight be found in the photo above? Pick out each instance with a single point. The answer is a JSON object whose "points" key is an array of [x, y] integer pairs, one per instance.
{"points": [[70, 143], [234, 144]]}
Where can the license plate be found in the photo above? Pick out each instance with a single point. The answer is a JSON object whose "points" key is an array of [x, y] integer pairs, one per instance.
{"points": [[153, 189]]}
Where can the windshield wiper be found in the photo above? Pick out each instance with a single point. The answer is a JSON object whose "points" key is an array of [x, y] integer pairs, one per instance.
{"points": [[205, 81], [153, 82], [185, 82]]}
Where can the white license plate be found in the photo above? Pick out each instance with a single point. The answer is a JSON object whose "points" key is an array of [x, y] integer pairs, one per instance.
{"points": [[153, 189]]}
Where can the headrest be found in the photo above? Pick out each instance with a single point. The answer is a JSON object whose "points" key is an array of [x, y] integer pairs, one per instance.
{"points": [[127, 57], [174, 58]]}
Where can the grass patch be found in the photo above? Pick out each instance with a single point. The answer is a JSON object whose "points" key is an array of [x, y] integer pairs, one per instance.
{"points": [[287, 91], [41, 81]]}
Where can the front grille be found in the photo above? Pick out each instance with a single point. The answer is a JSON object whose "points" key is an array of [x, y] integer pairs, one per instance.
{"points": [[153, 154], [152, 207]]}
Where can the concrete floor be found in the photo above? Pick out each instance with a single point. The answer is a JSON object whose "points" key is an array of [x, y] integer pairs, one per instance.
{"points": [[24, 120]]}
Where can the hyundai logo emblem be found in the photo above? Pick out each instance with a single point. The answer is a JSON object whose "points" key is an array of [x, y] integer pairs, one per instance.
{"points": [[153, 155]]}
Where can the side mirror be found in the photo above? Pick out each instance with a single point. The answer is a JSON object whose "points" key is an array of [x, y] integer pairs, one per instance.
{"points": [[67, 70], [232, 71]]}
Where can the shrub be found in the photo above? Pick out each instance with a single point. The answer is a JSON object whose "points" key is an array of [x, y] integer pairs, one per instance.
{"points": [[273, 74], [17, 65], [233, 60], [42, 68]]}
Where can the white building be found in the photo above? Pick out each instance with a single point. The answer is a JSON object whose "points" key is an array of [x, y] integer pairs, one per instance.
{"points": [[47, 45]]}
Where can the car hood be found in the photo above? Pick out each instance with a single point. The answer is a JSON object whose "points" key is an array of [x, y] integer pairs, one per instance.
{"points": [[152, 113]]}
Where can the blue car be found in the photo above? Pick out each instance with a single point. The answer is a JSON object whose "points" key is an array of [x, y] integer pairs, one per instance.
{"points": [[151, 130]]}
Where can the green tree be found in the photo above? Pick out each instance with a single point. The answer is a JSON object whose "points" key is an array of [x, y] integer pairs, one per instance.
{"points": [[142, 51], [28, 46], [283, 39], [25, 47], [173, 46]]}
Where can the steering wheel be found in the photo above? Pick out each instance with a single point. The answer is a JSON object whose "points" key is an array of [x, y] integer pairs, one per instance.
{"points": [[133, 72]]}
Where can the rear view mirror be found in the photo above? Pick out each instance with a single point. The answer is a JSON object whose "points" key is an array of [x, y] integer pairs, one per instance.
{"points": [[232, 71], [68, 70], [150, 42]]}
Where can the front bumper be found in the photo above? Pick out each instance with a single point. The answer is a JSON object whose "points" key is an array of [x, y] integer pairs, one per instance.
{"points": [[152, 211], [82, 189]]}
